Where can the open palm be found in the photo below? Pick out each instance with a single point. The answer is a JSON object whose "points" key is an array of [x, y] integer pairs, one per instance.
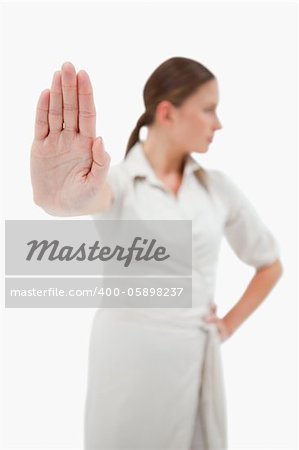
{"points": [[69, 164]]}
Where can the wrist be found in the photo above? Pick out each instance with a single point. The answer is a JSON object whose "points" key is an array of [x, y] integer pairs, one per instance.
{"points": [[229, 328]]}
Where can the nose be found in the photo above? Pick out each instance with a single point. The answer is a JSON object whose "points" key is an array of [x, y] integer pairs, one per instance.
{"points": [[218, 124]]}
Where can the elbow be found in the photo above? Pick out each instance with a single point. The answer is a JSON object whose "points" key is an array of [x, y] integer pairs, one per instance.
{"points": [[281, 268], [276, 268]]}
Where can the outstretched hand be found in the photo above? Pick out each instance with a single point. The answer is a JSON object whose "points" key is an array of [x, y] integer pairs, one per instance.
{"points": [[69, 164]]}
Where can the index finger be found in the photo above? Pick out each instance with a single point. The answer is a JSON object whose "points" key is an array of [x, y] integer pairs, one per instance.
{"points": [[41, 128]]}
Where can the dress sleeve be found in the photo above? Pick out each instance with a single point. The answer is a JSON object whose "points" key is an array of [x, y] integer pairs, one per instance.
{"points": [[248, 236]]}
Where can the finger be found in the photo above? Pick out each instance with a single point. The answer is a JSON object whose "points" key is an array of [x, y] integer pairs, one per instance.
{"points": [[211, 319], [55, 110], [41, 128], [87, 110], [69, 97], [101, 161]]}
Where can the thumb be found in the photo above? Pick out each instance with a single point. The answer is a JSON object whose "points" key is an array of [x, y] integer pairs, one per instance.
{"points": [[101, 161], [213, 307]]}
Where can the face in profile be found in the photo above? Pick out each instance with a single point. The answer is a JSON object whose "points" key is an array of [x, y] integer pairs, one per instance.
{"points": [[195, 122]]}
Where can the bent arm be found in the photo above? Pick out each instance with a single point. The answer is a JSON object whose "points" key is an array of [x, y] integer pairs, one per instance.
{"points": [[257, 290]]}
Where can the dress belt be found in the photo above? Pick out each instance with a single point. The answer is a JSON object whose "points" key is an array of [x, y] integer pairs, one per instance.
{"points": [[212, 400]]}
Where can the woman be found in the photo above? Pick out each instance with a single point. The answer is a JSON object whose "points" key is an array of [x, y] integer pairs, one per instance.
{"points": [[155, 375]]}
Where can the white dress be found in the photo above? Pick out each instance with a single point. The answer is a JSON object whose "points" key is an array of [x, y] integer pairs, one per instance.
{"points": [[155, 378]]}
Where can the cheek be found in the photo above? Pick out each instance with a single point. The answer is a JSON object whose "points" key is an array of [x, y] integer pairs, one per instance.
{"points": [[196, 123], [190, 126]]}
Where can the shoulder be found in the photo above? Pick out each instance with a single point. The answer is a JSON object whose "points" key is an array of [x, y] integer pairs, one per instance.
{"points": [[219, 179], [228, 190], [221, 182]]}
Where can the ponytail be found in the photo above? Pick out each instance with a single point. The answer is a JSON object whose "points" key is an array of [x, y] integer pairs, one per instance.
{"points": [[134, 138]]}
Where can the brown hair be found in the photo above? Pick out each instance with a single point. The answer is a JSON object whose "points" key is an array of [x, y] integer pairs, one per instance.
{"points": [[173, 80]]}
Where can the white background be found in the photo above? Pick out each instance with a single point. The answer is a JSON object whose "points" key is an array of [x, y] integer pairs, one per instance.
{"points": [[251, 49]]}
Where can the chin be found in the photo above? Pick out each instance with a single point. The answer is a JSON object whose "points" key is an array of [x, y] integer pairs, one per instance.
{"points": [[201, 149]]}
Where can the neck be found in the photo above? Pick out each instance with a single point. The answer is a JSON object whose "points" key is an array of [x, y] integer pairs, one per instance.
{"points": [[163, 156]]}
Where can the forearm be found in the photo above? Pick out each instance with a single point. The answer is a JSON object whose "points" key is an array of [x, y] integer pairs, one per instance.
{"points": [[257, 290]]}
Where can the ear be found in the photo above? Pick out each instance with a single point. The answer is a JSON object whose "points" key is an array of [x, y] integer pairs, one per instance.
{"points": [[165, 112]]}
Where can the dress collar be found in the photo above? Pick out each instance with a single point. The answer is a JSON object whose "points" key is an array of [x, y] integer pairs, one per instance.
{"points": [[139, 166]]}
